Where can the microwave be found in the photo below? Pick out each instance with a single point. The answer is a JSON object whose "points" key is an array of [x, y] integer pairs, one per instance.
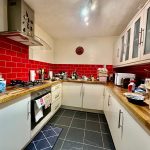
{"points": [[120, 76]]}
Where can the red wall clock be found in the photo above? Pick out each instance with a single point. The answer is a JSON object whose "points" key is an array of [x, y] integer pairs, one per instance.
{"points": [[79, 50]]}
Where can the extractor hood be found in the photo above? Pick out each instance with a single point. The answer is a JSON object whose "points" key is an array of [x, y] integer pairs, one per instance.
{"points": [[20, 23]]}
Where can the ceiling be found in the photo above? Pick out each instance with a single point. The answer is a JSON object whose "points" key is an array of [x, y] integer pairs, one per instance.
{"points": [[62, 18]]}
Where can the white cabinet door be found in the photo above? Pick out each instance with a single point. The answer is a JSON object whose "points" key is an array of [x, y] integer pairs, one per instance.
{"points": [[134, 136], [15, 124], [72, 94], [93, 96], [115, 121], [145, 53], [106, 104], [117, 50], [136, 41]]}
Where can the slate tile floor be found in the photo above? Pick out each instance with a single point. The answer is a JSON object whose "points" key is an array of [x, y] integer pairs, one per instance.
{"points": [[82, 131]]}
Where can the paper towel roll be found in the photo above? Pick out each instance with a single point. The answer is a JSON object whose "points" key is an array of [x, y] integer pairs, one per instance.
{"points": [[32, 75], [50, 74]]}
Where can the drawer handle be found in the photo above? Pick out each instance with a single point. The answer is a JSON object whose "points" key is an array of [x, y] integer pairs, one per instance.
{"points": [[57, 96], [119, 121], [56, 106], [109, 100]]}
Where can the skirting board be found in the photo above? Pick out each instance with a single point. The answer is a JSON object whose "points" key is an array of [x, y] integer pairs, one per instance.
{"points": [[82, 109]]}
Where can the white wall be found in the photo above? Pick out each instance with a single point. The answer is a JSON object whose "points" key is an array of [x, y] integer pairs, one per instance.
{"points": [[42, 53], [97, 51], [3, 15]]}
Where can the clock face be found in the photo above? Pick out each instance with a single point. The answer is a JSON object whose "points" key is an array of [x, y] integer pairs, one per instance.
{"points": [[79, 50]]}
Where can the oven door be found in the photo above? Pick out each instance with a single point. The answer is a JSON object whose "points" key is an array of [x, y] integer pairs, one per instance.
{"points": [[44, 112]]}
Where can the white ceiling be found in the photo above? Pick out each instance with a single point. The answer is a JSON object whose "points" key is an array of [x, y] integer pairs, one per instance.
{"points": [[62, 18]]}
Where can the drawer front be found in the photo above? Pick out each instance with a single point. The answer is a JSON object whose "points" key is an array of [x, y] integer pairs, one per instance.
{"points": [[56, 87], [55, 106], [56, 95]]}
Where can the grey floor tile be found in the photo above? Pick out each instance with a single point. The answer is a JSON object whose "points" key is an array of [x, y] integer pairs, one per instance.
{"points": [[68, 113], [75, 135], [78, 123], [94, 126], [63, 132], [59, 112], [68, 145], [93, 138], [92, 117], [102, 118], [104, 128], [89, 147], [64, 121], [108, 142], [58, 144], [53, 120], [41, 144], [80, 115]]}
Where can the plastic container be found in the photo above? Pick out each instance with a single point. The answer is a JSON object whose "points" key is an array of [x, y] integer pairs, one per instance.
{"points": [[131, 86]]}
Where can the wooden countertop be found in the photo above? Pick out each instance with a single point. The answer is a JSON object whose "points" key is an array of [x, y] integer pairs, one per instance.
{"points": [[86, 82], [13, 92], [140, 113]]}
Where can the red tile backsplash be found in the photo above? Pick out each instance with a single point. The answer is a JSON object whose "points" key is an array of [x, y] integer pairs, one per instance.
{"points": [[14, 63], [82, 69], [137, 69]]}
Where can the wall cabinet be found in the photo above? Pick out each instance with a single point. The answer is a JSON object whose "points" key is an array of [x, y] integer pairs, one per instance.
{"points": [[145, 53], [127, 134], [134, 45], [88, 96], [15, 124]]}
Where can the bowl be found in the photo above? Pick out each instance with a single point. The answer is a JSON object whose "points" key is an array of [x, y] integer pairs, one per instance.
{"points": [[134, 98]]}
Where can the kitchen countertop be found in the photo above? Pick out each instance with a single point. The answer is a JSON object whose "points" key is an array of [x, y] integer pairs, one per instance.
{"points": [[14, 92], [83, 81], [139, 113]]}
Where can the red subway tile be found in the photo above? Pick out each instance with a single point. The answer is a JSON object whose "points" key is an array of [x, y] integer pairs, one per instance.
{"points": [[5, 45], [11, 64], [2, 63], [16, 59], [5, 57], [20, 65]]}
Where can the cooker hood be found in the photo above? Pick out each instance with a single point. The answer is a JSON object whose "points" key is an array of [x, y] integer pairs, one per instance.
{"points": [[20, 23]]}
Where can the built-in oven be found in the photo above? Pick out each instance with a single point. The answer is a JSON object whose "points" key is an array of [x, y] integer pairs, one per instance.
{"points": [[35, 96]]}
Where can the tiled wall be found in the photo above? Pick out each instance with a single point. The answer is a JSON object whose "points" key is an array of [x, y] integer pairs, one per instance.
{"points": [[14, 62], [139, 70], [85, 69]]}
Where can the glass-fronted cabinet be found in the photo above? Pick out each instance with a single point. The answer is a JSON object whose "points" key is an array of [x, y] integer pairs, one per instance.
{"points": [[128, 37], [136, 40], [122, 49], [146, 32], [135, 52]]}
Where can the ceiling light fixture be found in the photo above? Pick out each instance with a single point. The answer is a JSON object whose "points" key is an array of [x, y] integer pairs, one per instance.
{"points": [[86, 19], [85, 12], [93, 5]]}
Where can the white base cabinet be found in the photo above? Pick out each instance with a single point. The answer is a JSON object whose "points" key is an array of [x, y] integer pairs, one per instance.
{"points": [[15, 124], [127, 134], [93, 96], [72, 94], [88, 96]]}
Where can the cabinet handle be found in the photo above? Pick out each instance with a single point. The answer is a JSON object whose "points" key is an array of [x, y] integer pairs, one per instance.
{"points": [[81, 91], [28, 110], [118, 52], [119, 121], [104, 92], [141, 36], [109, 100]]}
